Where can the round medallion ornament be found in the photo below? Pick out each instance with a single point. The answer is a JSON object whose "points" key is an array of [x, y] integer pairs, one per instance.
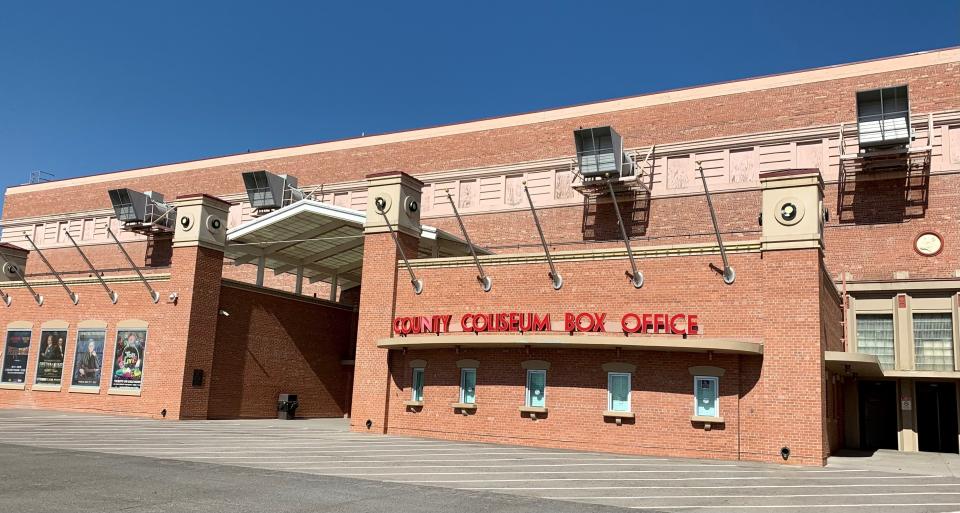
{"points": [[928, 244]]}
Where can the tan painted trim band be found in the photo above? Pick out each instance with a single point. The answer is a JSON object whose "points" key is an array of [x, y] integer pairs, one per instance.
{"points": [[706, 370], [619, 367], [671, 250], [20, 325], [650, 343], [132, 324], [535, 365], [85, 281], [92, 325], [55, 324], [896, 63]]}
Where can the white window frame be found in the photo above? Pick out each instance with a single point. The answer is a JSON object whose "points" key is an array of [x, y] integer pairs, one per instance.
{"points": [[413, 383], [610, 376], [716, 387], [463, 390], [529, 400]]}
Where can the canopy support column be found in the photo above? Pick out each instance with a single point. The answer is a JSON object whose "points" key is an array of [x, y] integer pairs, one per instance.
{"points": [[299, 285], [333, 287], [261, 265]]}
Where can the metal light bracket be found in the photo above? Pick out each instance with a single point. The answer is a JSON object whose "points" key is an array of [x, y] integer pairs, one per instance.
{"points": [[635, 276], [729, 275], [110, 293], [485, 282], [74, 297], [553, 274], [154, 295], [417, 283]]}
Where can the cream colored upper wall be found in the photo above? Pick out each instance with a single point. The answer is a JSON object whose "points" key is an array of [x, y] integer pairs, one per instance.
{"points": [[897, 63]]}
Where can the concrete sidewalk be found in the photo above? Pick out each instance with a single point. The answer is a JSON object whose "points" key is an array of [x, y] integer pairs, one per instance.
{"points": [[921, 463]]}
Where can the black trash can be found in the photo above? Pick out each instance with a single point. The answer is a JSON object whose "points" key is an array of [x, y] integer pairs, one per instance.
{"points": [[287, 406]]}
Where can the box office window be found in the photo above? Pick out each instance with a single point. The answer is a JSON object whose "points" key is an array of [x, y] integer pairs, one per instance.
{"points": [[417, 385], [875, 336], [536, 388], [933, 341], [618, 391], [468, 386], [706, 396]]}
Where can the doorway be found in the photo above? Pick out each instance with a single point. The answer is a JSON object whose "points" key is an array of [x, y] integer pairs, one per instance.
{"points": [[937, 416], [878, 415]]}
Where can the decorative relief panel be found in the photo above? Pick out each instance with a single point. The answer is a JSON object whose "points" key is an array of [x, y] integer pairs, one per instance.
{"points": [[810, 155], [743, 166], [679, 172], [953, 143], [563, 185], [469, 193], [514, 190]]}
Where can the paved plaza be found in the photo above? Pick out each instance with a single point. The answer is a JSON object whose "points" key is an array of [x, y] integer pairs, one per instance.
{"points": [[82, 462]]}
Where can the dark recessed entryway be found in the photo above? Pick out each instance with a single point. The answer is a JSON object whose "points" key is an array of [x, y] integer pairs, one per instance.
{"points": [[878, 415], [937, 416]]}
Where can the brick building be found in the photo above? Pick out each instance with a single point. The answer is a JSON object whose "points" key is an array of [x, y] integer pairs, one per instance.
{"points": [[808, 302]]}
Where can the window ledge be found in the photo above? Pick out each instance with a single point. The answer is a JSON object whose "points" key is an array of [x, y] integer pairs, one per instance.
{"points": [[124, 391], [13, 386], [40, 387], [464, 406], [80, 389], [413, 404], [533, 409], [706, 420], [619, 414]]}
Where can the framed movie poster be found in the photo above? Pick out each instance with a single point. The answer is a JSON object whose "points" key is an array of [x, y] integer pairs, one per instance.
{"points": [[89, 358], [50, 358], [15, 354], [128, 358]]}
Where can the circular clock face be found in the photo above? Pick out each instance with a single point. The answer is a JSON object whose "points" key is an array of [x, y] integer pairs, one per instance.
{"points": [[928, 244]]}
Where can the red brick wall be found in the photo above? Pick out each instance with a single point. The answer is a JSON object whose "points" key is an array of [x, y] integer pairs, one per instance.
{"points": [[820, 103], [775, 299], [171, 326], [271, 345], [381, 279], [880, 239]]}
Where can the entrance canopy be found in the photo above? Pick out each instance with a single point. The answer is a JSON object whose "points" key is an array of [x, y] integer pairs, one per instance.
{"points": [[321, 242]]}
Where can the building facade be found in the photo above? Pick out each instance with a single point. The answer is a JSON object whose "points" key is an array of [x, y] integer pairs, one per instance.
{"points": [[473, 282]]}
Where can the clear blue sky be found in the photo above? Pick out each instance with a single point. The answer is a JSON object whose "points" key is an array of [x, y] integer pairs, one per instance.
{"points": [[88, 87]]}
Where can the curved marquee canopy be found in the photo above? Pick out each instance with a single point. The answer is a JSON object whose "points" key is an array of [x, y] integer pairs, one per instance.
{"points": [[325, 240]]}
